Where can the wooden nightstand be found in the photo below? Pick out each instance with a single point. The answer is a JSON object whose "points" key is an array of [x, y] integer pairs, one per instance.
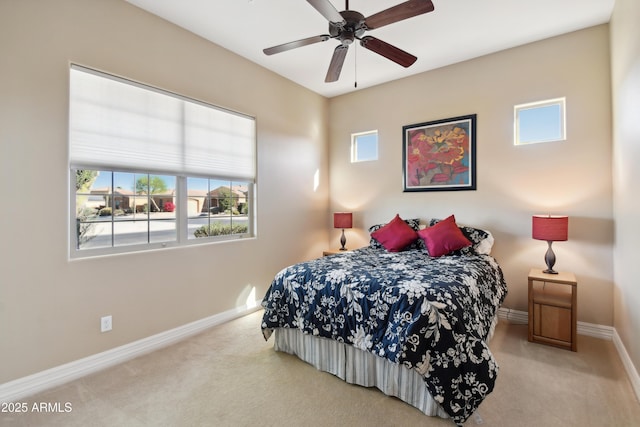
{"points": [[553, 308], [333, 252]]}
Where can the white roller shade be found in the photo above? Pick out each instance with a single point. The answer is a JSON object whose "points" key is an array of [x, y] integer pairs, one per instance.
{"points": [[117, 123]]}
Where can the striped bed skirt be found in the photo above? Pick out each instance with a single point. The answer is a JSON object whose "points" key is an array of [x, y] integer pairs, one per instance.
{"points": [[359, 367]]}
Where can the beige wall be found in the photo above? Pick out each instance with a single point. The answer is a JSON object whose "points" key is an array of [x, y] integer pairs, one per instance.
{"points": [[571, 177], [625, 61], [50, 306]]}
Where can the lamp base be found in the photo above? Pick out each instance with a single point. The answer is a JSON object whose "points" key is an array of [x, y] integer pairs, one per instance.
{"points": [[343, 241], [550, 260]]}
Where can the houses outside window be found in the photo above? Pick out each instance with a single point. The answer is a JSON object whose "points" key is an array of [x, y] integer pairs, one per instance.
{"points": [[150, 169]]}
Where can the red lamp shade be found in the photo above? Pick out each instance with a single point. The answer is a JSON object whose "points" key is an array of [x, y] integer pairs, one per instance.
{"points": [[342, 220], [550, 228]]}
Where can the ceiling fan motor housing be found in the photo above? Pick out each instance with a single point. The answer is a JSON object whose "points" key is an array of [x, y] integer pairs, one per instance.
{"points": [[354, 27]]}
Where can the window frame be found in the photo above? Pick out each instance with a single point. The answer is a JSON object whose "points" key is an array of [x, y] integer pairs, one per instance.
{"points": [[181, 198], [354, 146], [517, 109]]}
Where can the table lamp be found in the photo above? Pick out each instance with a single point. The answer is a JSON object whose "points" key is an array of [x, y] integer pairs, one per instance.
{"points": [[552, 228], [342, 220]]}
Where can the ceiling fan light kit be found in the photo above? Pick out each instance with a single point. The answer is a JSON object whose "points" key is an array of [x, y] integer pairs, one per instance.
{"points": [[349, 25]]}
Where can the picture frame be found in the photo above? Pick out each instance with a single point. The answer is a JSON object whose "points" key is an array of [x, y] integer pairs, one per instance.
{"points": [[440, 155]]}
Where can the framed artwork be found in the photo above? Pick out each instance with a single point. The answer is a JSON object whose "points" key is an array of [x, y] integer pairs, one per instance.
{"points": [[440, 155]]}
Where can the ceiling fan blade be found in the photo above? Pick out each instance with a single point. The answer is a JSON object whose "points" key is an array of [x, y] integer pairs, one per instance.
{"points": [[298, 43], [391, 52], [405, 10], [327, 10], [337, 60]]}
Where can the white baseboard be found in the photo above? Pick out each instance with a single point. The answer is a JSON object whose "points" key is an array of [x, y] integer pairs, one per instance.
{"points": [[597, 331], [632, 372], [513, 316], [583, 328], [41, 381]]}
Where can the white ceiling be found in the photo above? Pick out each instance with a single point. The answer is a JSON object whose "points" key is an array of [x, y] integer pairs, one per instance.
{"points": [[455, 31]]}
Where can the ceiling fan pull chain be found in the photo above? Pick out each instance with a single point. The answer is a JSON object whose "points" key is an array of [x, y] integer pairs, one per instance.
{"points": [[355, 65]]}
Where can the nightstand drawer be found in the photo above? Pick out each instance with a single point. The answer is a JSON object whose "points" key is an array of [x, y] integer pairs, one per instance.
{"points": [[552, 322], [552, 297]]}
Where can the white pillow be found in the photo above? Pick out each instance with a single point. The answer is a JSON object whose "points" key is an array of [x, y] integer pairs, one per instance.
{"points": [[485, 245]]}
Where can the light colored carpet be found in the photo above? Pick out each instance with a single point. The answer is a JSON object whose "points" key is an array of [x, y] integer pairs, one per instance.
{"points": [[229, 376]]}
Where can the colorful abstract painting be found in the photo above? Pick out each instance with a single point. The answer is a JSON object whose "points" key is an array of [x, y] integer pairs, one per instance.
{"points": [[440, 155]]}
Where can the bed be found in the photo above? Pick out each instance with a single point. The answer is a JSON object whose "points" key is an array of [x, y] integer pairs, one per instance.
{"points": [[411, 314]]}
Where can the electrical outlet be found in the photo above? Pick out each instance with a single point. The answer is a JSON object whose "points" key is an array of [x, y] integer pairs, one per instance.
{"points": [[106, 324]]}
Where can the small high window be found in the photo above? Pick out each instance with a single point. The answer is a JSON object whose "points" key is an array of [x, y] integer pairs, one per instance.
{"points": [[542, 121], [364, 146]]}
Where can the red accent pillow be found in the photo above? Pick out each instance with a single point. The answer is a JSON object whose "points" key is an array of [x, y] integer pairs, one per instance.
{"points": [[396, 235], [443, 237]]}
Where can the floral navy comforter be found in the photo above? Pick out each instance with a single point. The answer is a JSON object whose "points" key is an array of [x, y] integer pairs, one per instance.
{"points": [[428, 314]]}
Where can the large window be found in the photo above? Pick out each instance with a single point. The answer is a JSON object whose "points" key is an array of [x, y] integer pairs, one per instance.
{"points": [[151, 169]]}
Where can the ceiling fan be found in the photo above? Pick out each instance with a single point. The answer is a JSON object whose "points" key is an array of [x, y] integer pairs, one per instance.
{"points": [[349, 25]]}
